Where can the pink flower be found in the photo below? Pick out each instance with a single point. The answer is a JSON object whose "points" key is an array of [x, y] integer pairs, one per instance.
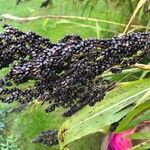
{"points": [[120, 141]]}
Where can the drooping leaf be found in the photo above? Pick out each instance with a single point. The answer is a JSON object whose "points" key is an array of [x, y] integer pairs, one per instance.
{"points": [[111, 109]]}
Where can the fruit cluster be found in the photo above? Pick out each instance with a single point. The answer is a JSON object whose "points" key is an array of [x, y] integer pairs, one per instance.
{"points": [[68, 73], [48, 138], [65, 73], [44, 3]]}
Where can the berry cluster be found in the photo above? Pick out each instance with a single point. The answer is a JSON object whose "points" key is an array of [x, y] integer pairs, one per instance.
{"points": [[65, 73], [16, 45], [47, 138], [44, 3]]}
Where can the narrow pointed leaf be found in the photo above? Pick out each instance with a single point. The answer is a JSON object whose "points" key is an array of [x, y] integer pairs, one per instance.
{"points": [[133, 118]]}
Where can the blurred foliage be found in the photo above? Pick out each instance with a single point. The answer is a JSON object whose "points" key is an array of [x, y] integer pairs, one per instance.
{"points": [[24, 124], [114, 11], [9, 143]]}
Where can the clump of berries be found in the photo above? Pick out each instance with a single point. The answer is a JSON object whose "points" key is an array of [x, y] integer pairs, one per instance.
{"points": [[48, 138], [68, 73], [44, 3], [65, 73]]}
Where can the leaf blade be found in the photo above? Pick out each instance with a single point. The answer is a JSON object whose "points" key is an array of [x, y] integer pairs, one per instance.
{"points": [[113, 108]]}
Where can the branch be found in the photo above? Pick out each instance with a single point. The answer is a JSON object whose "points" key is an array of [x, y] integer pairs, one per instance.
{"points": [[140, 145], [134, 69], [26, 19], [139, 6], [141, 66]]}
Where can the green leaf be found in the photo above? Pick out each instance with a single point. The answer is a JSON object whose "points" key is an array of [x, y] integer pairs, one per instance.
{"points": [[140, 118], [111, 109], [4, 71], [127, 121], [90, 142], [143, 99], [144, 135]]}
